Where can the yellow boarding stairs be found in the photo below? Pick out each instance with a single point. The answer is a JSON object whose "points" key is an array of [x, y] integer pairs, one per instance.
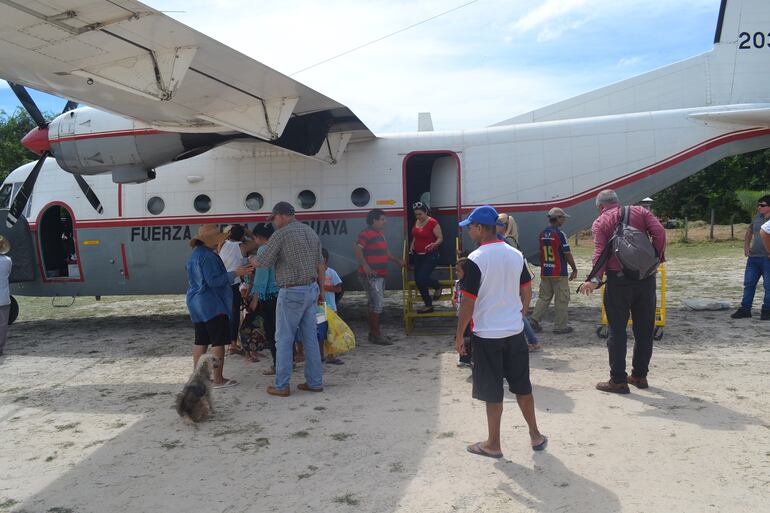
{"points": [[411, 296], [660, 309]]}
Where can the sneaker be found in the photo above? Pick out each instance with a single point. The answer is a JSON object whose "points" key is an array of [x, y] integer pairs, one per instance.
{"points": [[638, 381], [426, 310], [380, 340], [535, 325], [612, 387], [461, 364], [437, 294], [765, 315], [563, 331], [741, 314]]}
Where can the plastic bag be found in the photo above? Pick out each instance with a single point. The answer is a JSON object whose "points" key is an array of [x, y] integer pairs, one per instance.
{"points": [[340, 338]]}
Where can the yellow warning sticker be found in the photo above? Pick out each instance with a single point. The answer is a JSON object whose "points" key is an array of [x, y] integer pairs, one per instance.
{"points": [[91, 242], [386, 202]]}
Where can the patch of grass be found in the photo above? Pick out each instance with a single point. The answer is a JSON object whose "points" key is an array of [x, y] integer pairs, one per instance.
{"points": [[300, 434], [319, 408], [60, 509], [446, 434], [348, 499], [251, 427], [51, 457], [93, 444], [118, 424], [341, 437], [65, 427], [171, 444], [20, 398], [67, 445], [253, 446], [144, 395], [8, 503], [397, 467]]}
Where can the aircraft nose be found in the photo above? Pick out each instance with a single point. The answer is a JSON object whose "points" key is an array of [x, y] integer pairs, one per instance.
{"points": [[36, 140]]}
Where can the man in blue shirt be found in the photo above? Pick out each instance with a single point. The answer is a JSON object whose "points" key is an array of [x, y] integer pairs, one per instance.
{"points": [[209, 298]]}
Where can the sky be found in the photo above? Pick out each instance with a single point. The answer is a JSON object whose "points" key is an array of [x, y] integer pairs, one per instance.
{"points": [[482, 63]]}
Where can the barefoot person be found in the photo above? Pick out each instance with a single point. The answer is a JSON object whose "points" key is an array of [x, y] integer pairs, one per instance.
{"points": [[210, 298], [496, 291]]}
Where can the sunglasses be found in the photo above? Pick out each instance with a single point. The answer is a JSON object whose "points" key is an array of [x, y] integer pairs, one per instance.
{"points": [[760, 205], [418, 205]]}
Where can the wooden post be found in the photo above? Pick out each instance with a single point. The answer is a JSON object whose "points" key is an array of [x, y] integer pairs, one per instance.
{"points": [[686, 223], [732, 227], [711, 231]]}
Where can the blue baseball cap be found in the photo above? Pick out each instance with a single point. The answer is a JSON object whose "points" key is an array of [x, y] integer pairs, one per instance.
{"points": [[482, 215]]}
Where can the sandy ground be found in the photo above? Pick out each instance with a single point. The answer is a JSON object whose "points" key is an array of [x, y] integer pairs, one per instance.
{"points": [[87, 423]]}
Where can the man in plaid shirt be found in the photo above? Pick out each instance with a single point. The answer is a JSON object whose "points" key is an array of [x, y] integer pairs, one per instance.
{"points": [[295, 252]]}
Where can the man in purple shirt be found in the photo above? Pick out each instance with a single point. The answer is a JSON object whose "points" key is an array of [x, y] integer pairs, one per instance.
{"points": [[624, 295]]}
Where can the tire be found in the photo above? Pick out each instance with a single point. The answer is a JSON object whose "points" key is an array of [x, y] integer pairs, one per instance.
{"points": [[14, 312]]}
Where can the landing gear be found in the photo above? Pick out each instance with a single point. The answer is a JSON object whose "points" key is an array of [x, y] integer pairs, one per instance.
{"points": [[14, 312]]}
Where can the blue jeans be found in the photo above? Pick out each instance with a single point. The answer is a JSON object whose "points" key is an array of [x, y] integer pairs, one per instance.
{"points": [[295, 319], [529, 333], [756, 267]]}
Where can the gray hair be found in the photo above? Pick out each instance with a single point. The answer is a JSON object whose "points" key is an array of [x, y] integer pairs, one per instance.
{"points": [[606, 197]]}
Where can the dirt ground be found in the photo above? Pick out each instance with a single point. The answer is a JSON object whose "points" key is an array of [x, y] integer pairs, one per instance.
{"points": [[87, 421]]}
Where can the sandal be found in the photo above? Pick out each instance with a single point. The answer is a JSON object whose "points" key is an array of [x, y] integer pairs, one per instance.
{"points": [[479, 451], [226, 384]]}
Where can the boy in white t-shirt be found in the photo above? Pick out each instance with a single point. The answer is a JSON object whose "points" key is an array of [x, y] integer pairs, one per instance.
{"points": [[764, 232], [332, 287]]}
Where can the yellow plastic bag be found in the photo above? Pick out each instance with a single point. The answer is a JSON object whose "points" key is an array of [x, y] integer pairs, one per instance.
{"points": [[340, 338]]}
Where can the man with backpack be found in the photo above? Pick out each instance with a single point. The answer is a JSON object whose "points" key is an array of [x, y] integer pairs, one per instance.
{"points": [[633, 236]]}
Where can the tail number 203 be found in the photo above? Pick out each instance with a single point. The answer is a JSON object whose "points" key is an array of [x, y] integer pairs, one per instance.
{"points": [[757, 40]]}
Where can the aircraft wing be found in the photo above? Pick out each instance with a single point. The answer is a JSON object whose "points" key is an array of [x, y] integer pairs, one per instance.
{"points": [[125, 57]]}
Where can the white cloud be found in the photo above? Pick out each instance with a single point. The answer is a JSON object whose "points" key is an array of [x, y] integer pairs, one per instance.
{"points": [[628, 62]]}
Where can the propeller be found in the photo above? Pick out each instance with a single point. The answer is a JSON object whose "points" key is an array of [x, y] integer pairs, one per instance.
{"points": [[37, 142]]}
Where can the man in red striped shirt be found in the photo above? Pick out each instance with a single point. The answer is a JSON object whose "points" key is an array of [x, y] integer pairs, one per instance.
{"points": [[371, 250]]}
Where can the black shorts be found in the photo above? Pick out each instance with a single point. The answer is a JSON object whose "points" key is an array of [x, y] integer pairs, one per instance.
{"points": [[498, 358], [214, 332]]}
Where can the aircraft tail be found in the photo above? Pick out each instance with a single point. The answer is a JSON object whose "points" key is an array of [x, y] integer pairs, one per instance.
{"points": [[735, 71]]}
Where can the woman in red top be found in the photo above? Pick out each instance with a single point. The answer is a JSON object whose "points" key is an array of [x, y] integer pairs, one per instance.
{"points": [[426, 240]]}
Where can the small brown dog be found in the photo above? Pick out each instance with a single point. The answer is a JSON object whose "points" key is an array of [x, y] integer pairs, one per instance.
{"points": [[193, 403]]}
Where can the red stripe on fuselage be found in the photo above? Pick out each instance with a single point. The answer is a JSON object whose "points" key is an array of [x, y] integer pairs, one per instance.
{"points": [[104, 135]]}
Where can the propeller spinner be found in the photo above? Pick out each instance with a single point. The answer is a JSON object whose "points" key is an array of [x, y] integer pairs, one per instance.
{"points": [[37, 142]]}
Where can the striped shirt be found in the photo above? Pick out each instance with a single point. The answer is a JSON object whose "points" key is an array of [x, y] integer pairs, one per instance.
{"points": [[553, 248], [375, 250]]}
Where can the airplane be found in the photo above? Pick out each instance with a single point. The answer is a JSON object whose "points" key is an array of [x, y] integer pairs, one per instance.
{"points": [[189, 131]]}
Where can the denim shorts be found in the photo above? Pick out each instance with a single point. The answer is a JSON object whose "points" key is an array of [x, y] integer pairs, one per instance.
{"points": [[374, 286]]}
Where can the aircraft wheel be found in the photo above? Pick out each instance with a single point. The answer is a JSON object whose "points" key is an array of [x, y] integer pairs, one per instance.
{"points": [[658, 333], [601, 331], [14, 312]]}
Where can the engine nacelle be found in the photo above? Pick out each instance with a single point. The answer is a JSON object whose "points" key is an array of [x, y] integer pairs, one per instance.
{"points": [[87, 141]]}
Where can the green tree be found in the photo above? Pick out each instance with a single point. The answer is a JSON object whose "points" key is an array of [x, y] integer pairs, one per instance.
{"points": [[12, 129], [715, 187]]}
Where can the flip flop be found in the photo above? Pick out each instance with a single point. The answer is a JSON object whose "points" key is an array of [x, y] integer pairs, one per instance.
{"points": [[479, 451], [226, 384], [542, 445]]}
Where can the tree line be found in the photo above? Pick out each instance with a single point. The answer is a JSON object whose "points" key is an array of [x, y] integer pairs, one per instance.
{"points": [[729, 186]]}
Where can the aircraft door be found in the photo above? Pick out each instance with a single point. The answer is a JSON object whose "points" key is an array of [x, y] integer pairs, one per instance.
{"points": [[22, 246], [433, 179], [58, 245]]}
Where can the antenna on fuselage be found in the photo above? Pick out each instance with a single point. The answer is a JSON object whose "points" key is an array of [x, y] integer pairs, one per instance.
{"points": [[424, 122]]}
